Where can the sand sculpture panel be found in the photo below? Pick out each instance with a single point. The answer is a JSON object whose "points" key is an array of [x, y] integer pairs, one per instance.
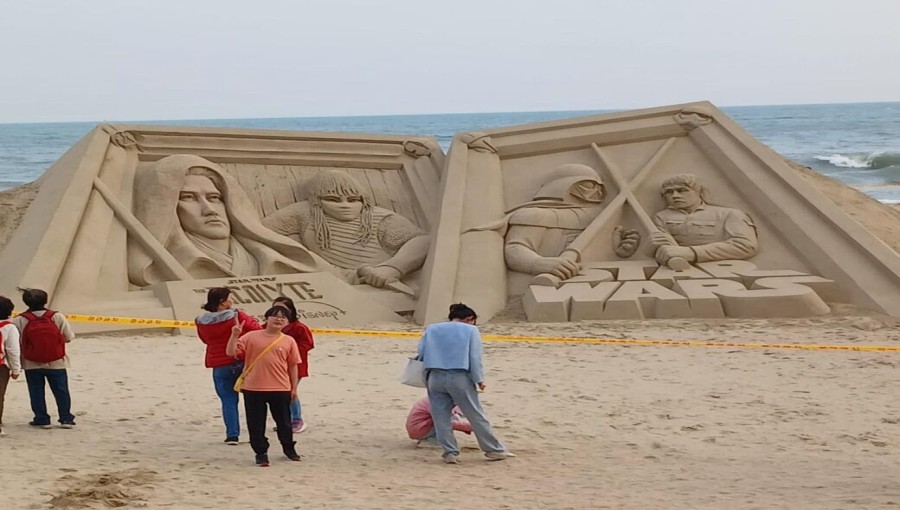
{"points": [[659, 213], [139, 221]]}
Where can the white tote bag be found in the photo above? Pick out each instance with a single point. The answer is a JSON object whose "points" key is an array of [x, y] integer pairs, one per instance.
{"points": [[414, 373]]}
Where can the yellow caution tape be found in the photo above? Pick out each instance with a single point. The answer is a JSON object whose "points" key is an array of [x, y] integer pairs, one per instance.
{"points": [[132, 321], [166, 323]]}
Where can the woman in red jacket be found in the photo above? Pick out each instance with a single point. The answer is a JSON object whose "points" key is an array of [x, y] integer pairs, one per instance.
{"points": [[303, 336], [214, 329]]}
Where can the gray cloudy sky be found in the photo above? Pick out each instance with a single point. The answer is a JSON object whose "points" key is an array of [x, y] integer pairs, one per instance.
{"points": [[182, 59]]}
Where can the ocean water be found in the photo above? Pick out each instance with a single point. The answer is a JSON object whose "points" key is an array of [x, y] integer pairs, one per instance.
{"points": [[858, 144]]}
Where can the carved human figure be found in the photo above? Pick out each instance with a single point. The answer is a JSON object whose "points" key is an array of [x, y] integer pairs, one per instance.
{"points": [[201, 216], [696, 231], [338, 221], [540, 231]]}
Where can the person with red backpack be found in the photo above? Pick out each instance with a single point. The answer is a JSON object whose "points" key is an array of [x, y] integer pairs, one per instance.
{"points": [[214, 330], [44, 335], [10, 365]]}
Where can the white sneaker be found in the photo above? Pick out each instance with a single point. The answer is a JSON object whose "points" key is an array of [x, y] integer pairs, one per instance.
{"points": [[499, 455], [451, 458]]}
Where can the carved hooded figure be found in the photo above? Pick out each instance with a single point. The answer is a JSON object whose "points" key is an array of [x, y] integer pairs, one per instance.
{"points": [[206, 227], [539, 230]]}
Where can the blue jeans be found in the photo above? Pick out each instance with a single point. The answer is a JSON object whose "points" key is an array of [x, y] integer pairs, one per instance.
{"points": [[58, 380], [224, 379], [296, 409], [446, 387]]}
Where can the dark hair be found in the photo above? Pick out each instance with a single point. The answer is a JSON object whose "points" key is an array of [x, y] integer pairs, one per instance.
{"points": [[6, 307], [289, 304], [278, 310], [461, 312], [35, 299], [214, 298]]}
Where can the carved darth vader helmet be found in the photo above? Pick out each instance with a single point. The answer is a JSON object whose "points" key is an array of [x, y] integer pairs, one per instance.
{"points": [[573, 180]]}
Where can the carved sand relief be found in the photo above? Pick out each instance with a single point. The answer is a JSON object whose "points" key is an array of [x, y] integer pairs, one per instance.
{"points": [[665, 212], [136, 219], [654, 215], [202, 217]]}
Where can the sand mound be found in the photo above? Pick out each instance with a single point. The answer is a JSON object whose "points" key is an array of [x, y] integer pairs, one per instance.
{"points": [[112, 490], [883, 221], [13, 204]]}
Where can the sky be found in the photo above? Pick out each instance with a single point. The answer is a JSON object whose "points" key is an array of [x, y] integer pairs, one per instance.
{"points": [[92, 60]]}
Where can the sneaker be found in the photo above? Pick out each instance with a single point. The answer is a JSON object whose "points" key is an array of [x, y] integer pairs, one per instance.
{"points": [[40, 425], [231, 440], [262, 460], [428, 442], [294, 456], [298, 426], [498, 455], [67, 424], [451, 458]]}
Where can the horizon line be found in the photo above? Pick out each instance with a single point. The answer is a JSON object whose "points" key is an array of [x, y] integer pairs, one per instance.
{"points": [[600, 110]]}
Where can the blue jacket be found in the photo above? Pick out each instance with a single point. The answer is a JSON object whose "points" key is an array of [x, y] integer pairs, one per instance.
{"points": [[453, 346]]}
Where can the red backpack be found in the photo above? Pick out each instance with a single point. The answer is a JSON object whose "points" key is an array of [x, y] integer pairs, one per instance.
{"points": [[42, 341], [2, 352]]}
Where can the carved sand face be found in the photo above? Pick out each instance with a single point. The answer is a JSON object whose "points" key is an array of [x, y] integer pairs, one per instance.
{"points": [[682, 197], [342, 208], [587, 190], [201, 208]]}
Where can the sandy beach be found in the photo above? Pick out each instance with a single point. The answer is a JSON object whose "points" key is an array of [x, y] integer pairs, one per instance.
{"points": [[594, 426]]}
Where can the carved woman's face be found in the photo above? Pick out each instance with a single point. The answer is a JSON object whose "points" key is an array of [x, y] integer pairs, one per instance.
{"points": [[342, 208], [201, 208]]}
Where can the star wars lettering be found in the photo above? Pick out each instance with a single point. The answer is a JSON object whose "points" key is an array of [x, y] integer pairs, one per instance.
{"points": [[644, 289]]}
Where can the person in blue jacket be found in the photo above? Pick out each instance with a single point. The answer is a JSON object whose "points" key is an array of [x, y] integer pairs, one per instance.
{"points": [[451, 353]]}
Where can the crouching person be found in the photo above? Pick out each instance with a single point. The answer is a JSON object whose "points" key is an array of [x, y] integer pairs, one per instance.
{"points": [[420, 424], [44, 335], [269, 381]]}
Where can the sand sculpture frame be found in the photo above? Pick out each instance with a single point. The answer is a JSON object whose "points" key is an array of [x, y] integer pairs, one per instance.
{"points": [[74, 238], [805, 242]]}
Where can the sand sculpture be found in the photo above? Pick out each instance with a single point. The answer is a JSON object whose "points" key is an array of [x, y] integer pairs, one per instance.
{"points": [[339, 222], [665, 212], [214, 232], [652, 246], [692, 229], [139, 221]]}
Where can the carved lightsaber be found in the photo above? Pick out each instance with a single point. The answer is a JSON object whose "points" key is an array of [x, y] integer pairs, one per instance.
{"points": [[677, 263], [139, 232], [584, 239]]}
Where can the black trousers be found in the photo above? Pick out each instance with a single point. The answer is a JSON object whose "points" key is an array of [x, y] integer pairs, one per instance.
{"points": [[279, 404]]}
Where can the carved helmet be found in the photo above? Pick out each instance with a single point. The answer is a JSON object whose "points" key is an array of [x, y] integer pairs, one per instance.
{"points": [[570, 180]]}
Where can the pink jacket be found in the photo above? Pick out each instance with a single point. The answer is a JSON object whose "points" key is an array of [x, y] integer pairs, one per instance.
{"points": [[419, 422]]}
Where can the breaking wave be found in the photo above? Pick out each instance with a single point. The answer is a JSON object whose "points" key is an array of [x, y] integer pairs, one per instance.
{"points": [[873, 161]]}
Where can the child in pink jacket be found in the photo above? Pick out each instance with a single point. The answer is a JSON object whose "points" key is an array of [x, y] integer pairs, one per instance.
{"points": [[420, 425]]}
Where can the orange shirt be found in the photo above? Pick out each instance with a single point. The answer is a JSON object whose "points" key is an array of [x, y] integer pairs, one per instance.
{"points": [[271, 372]]}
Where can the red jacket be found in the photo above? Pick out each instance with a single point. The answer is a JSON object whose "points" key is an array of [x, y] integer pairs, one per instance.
{"points": [[214, 329], [303, 336]]}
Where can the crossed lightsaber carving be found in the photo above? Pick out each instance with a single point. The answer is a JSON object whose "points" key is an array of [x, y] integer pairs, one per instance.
{"points": [[625, 195]]}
